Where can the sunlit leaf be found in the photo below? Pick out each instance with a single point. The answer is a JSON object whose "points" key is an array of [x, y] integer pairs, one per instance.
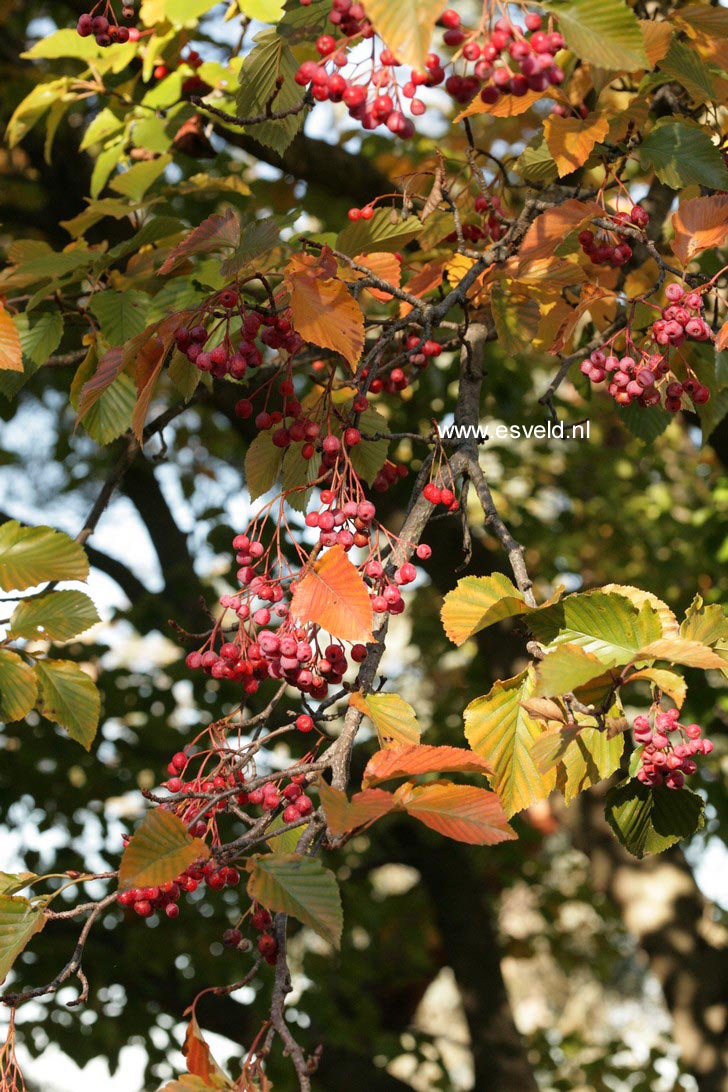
{"points": [[69, 697], [333, 595], [159, 851], [55, 616], [344, 815], [500, 729], [462, 812], [32, 555], [650, 820], [408, 760], [18, 686], [394, 719]]}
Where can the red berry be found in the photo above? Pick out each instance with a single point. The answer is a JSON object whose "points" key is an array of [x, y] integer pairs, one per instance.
{"points": [[432, 493], [304, 723]]}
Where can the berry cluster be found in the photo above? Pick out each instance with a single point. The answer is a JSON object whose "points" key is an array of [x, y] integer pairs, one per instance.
{"points": [[266, 943], [507, 60], [144, 901], [437, 494], [638, 377], [105, 27], [609, 246], [664, 760], [225, 358]]}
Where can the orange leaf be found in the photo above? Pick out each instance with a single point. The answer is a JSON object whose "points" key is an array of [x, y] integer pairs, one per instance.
{"points": [[323, 311], [383, 265], [410, 760], [721, 341], [657, 38], [507, 106], [200, 1062], [462, 812], [550, 228], [427, 278], [700, 224], [334, 596], [343, 815], [571, 140], [11, 354]]}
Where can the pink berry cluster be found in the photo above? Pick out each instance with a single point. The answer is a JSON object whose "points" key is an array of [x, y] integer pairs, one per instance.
{"points": [[506, 60], [639, 377], [669, 749], [610, 246], [230, 785], [104, 26], [274, 330], [267, 643]]}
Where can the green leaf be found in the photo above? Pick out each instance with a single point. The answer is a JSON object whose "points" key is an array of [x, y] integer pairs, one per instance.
{"points": [[33, 107], [705, 623], [605, 32], [32, 555], [384, 231], [369, 456], [516, 317], [503, 732], [478, 602], [18, 686], [184, 374], [69, 698], [11, 882], [590, 758], [650, 820], [187, 12], [101, 127], [298, 472], [159, 851], [265, 11], [104, 165], [135, 182], [645, 425], [300, 887], [406, 27], [683, 63], [262, 464], [19, 922], [65, 43], [682, 155], [608, 626], [55, 616], [40, 335], [566, 669], [121, 315], [269, 61], [536, 163]]}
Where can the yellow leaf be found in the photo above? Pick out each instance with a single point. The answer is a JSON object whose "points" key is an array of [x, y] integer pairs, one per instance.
{"points": [[393, 717], [11, 354], [571, 140], [406, 27], [506, 106]]}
